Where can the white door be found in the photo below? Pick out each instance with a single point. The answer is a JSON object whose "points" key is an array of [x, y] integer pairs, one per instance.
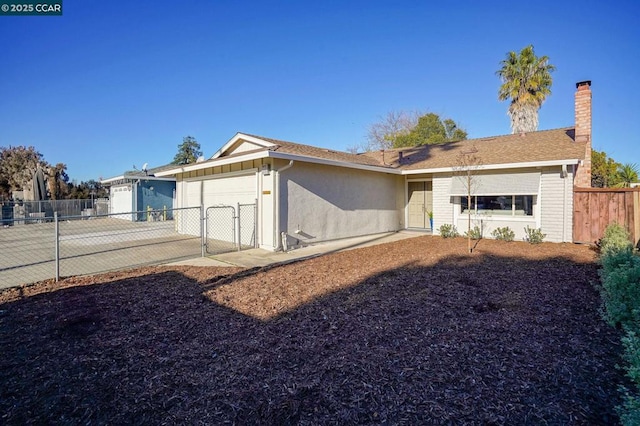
{"points": [[420, 197], [191, 194], [121, 201], [229, 191]]}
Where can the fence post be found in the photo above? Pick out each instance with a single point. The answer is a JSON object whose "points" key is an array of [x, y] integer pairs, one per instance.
{"points": [[57, 245], [239, 234], [203, 224], [255, 224]]}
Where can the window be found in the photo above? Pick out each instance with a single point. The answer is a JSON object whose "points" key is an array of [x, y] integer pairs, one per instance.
{"points": [[499, 205]]}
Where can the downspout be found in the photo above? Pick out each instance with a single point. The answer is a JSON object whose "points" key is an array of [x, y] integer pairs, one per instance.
{"points": [[565, 175], [276, 226]]}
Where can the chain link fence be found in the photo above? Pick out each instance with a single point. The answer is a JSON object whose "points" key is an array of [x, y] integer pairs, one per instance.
{"points": [[41, 247], [230, 228], [44, 247], [247, 214]]}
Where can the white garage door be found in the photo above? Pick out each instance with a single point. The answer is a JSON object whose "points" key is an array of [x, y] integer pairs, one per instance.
{"points": [[222, 222], [229, 191], [191, 194], [121, 200]]}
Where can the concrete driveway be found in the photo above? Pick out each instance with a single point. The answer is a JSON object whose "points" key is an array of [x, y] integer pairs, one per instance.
{"points": [[258, 257], [88, 247]]}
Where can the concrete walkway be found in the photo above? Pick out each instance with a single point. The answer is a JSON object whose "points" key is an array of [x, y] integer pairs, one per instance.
{"points": [[258, 257]]}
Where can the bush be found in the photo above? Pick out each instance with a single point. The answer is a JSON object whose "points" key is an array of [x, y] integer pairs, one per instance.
{"points": [[504, 234], [448, 231], [475, 233], [621, 293], [533, 236], [615, 239], [614, 260], [615, 249], [629, 412]]}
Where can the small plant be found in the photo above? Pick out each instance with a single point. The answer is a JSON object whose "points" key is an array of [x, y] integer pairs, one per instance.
{"points": [[504, 234], [474, 234], [430, 213], [615, 238], [448, 231], [533, 235]]}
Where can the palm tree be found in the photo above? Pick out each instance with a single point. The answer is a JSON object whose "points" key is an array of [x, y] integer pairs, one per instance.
{"points": [[628, 173], [526, 81]]}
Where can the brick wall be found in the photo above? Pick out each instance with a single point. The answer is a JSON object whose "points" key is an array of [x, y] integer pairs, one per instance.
{"points": [[583, 132]]}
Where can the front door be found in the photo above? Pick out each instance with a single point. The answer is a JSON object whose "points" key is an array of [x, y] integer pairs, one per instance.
{"points": [[420, 198]]}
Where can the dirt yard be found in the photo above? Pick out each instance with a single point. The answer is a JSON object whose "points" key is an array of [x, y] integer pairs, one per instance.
{"points": [[412, 332]]}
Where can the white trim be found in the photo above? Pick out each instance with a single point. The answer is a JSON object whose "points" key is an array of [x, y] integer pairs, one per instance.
{"points": [[324, 161], [496, 166], [214, 163], [113, 179], [222, 175], [238, 137], [134, 178]]}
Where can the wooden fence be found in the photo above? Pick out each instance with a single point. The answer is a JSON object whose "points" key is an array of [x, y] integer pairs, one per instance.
{"points": [[595, 208]]}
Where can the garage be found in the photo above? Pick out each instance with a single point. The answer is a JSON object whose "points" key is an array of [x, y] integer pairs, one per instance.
{"points": [[229, 191], [121, 199], [222, 191], [220, 198]]}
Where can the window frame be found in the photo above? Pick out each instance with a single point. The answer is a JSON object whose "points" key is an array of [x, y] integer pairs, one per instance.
{"points": [[491, 212]]}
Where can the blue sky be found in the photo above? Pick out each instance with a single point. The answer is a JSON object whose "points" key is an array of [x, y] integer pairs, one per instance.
{"points": [[109, 85]]}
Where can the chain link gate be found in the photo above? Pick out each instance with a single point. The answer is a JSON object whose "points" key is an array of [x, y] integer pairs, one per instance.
{"points": [[227, 231]]}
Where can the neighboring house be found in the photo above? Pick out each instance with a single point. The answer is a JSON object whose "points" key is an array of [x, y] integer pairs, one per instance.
{"points": [[140, 191], [309, 194]]}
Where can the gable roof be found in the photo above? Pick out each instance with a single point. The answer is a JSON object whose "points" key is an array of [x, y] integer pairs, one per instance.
{"points": [[316, 152], [545, 147]]}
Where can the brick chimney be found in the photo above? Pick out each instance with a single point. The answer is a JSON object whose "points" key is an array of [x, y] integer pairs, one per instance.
{"points": [[583, 132]]}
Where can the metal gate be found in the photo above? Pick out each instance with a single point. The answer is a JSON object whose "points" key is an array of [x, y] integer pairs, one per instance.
{"points": [[230, 228]]}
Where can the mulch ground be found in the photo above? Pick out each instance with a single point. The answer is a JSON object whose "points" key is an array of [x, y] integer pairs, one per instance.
{"points": [[412, 332]]}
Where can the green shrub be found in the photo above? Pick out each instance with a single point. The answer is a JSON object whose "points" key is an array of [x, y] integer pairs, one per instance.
{"points": [[533, 235], [629, 412], [504, 234], [615, 249], [615, 238], [475, 233], [614, 260], [448, 231], [621, 293], [631, 345]]}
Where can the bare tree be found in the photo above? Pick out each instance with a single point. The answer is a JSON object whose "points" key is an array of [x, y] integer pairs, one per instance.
{"points": [[466, 169]]}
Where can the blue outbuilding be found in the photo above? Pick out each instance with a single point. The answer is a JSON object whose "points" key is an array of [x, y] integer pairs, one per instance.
{"points": [[139, 195]]}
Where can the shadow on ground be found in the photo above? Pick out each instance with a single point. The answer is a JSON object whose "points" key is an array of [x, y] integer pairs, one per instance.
{"points": [[478, 340]]}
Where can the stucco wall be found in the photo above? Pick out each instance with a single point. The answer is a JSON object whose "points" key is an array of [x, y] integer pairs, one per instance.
{"points": [[325, 203]]}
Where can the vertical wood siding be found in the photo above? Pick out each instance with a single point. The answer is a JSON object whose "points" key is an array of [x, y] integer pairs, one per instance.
{"points": [[595, 208]]}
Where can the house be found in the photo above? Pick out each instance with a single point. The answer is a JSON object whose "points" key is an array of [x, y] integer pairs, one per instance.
{"points": [[140, 191], [306, 194]]}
